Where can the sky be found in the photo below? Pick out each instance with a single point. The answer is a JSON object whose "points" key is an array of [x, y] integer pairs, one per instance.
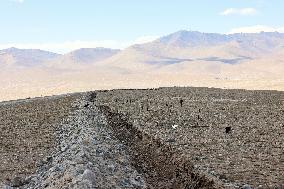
{"points": [[64, 25]]}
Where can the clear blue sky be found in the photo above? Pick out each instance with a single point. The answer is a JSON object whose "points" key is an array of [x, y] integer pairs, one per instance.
{"points": [[55, 22]]}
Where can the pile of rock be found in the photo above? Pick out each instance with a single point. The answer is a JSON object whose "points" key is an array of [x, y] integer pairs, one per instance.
{"points": [[88, 156], [96, 149]]}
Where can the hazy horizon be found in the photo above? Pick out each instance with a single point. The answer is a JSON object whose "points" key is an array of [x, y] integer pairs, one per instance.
{"points": [[63, 26], [159, 43], [134, 43]]}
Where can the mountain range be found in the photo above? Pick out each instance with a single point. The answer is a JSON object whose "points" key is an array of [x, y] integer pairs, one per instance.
{"points": [[252, 61], [24, 57]]}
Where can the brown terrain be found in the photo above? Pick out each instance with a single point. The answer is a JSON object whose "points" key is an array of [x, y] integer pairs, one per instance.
{"points": [[27, 133], [155, 138]]}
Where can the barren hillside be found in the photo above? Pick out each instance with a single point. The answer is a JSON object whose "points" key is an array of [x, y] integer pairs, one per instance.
{"points": [[184, 58]]}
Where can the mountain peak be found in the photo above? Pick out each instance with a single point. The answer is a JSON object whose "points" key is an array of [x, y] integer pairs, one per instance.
{"points": [[186, 38], [27, 57], [11, 49], [84, 56], [97, 49]]}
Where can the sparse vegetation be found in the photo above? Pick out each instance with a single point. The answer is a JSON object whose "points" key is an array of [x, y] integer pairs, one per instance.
{"points": [[171, 138]]}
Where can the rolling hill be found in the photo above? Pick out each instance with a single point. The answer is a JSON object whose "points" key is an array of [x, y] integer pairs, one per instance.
{"points": [[24, 57], [81, 57], [184, 58], [186, 46]]}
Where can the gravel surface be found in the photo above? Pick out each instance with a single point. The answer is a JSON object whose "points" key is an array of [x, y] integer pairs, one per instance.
{"points": [[193, 138], [87, 155], [235, 136], [27, 130]]}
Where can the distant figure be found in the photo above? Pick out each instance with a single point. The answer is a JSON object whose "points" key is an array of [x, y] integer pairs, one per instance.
{"points": [[92, 97], [228, 130], [199, 117], [181, 101]]}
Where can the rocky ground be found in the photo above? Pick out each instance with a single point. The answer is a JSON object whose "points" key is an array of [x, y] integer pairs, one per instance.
{"points": [[235, 136], [27, 133], [86, 155], [161, 138]]}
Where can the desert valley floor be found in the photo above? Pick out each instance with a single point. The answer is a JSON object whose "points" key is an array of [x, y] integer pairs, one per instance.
{"points": [[176, 137]]}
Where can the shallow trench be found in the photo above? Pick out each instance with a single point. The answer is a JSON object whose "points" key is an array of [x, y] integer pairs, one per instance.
{"points": [[160, 164], [89, 152]]}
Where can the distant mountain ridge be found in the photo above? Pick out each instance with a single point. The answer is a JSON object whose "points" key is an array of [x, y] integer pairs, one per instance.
{"points": [[265, 41], [178, 47], [184, 58], [187, 38], [24, 57], [35, 57], [187, 45], [81, 58], [88, 55], [173, 48]]}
